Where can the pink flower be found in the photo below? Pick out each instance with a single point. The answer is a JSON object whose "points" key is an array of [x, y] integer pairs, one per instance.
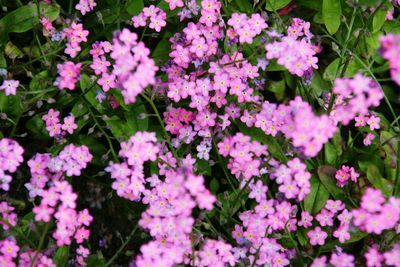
{"points": [[317, 236], [69, 124], [325, 218], [258, 191], [306, 219], [81, 235], [342, 259], [373, 257], [342, 234], [9, 87], [174, 4], [85, 6], [368, 139], [68, 75], [43, 213], [9, 248], [373, 122], [372, 200], [319, 262]]}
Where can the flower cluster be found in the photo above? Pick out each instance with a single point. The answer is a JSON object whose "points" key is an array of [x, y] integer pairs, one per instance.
{"points": [[47, 26], [44, 168], [129, 175], [68, 75], [326, 217], [375, 213], [55, 128], [100, 64], [390, 45], [156, 15], [354, 96], [294, 51], [338, 259], [293, 178], [8, 216], [267, 217], [85, 6], [295, 121], [345, 174], [376, 259], [75, 35], [168, 218], [373, 122], [246, 28], [9, 87], [245, 155], [171, 201], [8, 252], [10, 158], [133, 68], [59, 201], [191, 9], [215, 253], [174, 4]]}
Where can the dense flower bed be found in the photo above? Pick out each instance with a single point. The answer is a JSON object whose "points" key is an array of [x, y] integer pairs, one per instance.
{"points": [[200, 133]]}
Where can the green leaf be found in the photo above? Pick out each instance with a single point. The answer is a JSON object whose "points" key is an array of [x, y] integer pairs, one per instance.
{"points": [[161, 52], [376, 179], [367, 2], [95, 260], [61, 256], [277, 87], [273, 5], [318, 84], [310, 4], [134, 7], [117, 127], [244, 6], [317, 198], [79, 109], [136, 118], [301, 237], [13, 52], [331, 11], [36, 127], [3, 62], [356, 236], [214, 186], [38, 82], [331, 70], [378, 20], [84, 82], [11, 105], [331, 153], [391, 147], [326, 175], [25, 18], [203, 167], [273, 66]]}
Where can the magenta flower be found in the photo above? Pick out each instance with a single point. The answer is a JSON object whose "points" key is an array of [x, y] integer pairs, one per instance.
{"points": [[9, 87], [317, 236]]}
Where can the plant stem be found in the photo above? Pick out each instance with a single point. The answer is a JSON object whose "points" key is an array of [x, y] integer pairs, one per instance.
{"points": [[342, 54], [41, 242], [101, 130], [160, 120], [122, 247]]}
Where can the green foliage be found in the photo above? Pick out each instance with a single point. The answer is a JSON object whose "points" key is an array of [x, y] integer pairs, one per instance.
{"points": [[25, 18], [273, 5], [317, 198], [331, 12]]}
